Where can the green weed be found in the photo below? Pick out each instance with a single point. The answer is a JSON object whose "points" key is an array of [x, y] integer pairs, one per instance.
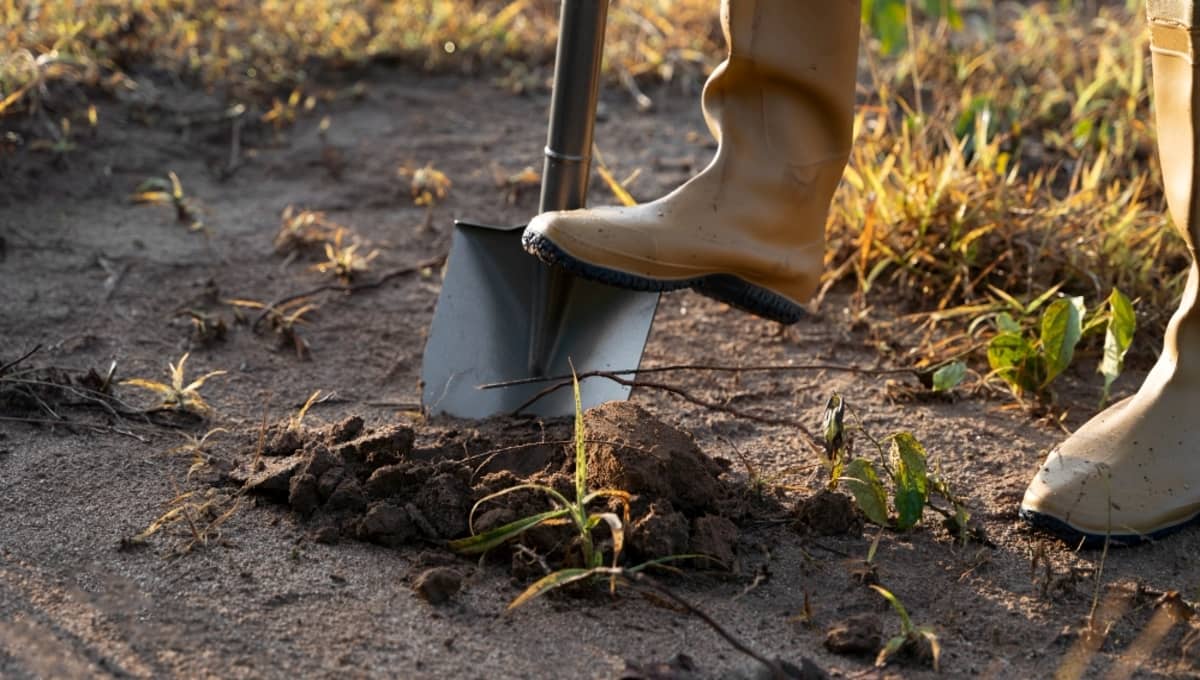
{"points": [[920, 640]]}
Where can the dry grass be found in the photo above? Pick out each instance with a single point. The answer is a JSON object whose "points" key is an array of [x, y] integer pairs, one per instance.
{"points": [[992, 161]]}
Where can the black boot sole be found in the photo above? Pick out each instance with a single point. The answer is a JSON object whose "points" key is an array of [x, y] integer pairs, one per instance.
{"points": [[725, 288]]}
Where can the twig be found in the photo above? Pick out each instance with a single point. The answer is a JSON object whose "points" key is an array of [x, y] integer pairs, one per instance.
{"points": [[772, 665], [344, 288], [716, 368], [36, 348], [682, 394]]}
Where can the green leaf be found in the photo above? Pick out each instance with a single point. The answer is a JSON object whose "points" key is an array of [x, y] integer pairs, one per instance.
{"points": [[554, 580], [1062, 326], [1012, 358], [911, 477], [481, 543], [1006, 324], [863, 483], [1118, 336], [580, 444], [949, 376], [906, 625], [832, 425]]}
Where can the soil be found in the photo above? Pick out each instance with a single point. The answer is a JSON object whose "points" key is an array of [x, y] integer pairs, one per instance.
{"points": [[328, 556]]}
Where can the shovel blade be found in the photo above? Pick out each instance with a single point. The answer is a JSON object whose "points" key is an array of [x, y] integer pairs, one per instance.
{"points": [[491, 325]]}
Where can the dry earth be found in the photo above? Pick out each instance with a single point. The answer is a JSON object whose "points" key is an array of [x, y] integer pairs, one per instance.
{"points": [[92, 278]]}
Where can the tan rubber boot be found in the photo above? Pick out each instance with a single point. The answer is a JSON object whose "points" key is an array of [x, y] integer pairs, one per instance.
{"points": [[749, 229], [1133, 471]]}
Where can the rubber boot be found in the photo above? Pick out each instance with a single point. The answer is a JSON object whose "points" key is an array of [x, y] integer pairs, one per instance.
{"points": [[1133, 471], [749, 229]]}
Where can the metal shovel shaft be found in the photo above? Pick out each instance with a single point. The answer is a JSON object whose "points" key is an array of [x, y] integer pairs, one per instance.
{"points": [[568, 155]]}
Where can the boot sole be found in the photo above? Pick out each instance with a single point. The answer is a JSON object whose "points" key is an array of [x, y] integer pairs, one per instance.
{"points": [[727, 288], [1074, 536]]}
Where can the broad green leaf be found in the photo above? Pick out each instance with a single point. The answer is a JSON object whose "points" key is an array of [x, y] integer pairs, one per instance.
{"points": [[911, 477], [481, 543], [949, 376], [1062, 326], [1118, 336], [551, 581], [863, 483], [1006, 324], [1012, 358]]}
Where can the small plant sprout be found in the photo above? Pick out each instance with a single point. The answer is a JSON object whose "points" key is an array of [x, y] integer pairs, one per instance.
{"points": [[904, 466], [919, 640], [573, 512], [169, 191], [304, 230], [296, 421], [1029, 364], [176, 396], [283, 114], [283, 319], [343, 261], [428, 186], [197, 447], [202, 513]]}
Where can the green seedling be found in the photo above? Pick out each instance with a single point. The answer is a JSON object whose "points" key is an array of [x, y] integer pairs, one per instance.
{"points": [[904, 467], [176, 396], [920, 640], [574, 512], [571, 512], [169, 191], [1029, 364]]}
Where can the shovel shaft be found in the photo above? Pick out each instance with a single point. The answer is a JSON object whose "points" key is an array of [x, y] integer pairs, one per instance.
{"points": [[573, 104], [568, 155]]}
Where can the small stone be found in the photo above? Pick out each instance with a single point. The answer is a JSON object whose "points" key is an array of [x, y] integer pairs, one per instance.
{"points": [[858, 635], [438, 585]]}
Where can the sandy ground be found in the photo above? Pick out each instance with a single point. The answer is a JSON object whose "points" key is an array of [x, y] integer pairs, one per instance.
{"points": [[92, 279]]}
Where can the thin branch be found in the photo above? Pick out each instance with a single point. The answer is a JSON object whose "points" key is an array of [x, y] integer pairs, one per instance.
{"points": [[4, 369], [772, 665], [716, 368], [352, 288], [682, 394]]}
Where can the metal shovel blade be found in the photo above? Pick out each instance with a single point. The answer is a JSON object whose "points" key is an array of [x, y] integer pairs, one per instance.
{"points": [[502, 315], [485, 330]]}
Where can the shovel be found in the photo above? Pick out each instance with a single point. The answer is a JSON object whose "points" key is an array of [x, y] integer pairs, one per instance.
{"points": [[502, 314]]}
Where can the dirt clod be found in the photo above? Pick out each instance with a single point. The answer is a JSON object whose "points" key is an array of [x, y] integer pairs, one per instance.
{"points": [[828, 513], [438, 585], [716, 537], [647, 457], [387, 524], [857, 635], [661, 531]]}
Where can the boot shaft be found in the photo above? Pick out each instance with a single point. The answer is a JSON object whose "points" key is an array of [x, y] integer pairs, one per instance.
{"points": [[1173, 47], [799, 58]]}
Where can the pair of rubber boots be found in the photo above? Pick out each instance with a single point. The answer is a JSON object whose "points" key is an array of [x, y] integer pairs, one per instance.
{"points": [[749, 231]]}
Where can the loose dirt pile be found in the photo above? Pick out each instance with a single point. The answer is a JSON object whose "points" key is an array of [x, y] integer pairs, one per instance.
{"points": [[347, 481]]}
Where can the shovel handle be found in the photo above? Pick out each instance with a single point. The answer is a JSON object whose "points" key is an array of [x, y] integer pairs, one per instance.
{"points": [[573, 104]]}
